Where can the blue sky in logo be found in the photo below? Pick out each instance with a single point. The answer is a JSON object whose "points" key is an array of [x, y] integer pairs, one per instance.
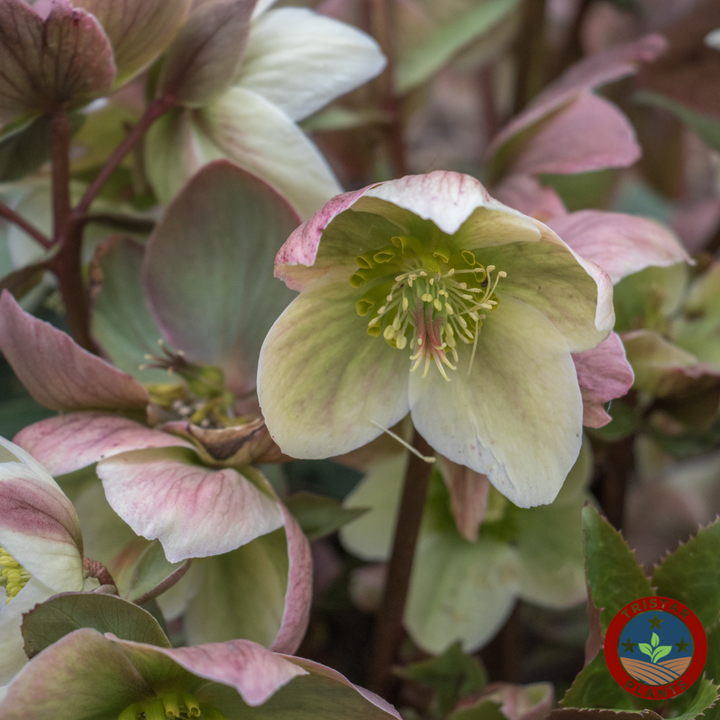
{"points": [[671, 631]]}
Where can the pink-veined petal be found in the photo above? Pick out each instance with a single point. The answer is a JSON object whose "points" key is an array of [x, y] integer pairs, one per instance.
{"points": [[57, 372], [194, 511], [620, 244], [70, 442], [603, 374]]}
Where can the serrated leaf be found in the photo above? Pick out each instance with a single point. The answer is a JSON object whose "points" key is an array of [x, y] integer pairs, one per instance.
{"points": [[613, 574], [595, 687], [706, 697], [62, 614], [572, 713], [319, 516], [686, 575]]}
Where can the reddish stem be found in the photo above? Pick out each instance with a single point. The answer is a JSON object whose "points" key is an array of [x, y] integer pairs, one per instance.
{"points": [[155, 110], [11, 216], [389, 627], [96, 570]]}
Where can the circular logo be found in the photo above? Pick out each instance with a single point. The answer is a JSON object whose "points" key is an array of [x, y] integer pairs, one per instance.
{"points": [[656, 648]]}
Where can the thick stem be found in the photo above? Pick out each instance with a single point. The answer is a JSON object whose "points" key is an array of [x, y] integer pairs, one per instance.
{"points": [[68, 235], [152, 113], [389, 627], [382, 18], [11, 216], [97, 570]]}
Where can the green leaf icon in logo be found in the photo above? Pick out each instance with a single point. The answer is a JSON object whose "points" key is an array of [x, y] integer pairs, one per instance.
{"points": [[654, 649]]}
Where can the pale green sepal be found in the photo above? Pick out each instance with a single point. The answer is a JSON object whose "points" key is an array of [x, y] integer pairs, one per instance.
{"points": [[460, 591], [525, 435], [348, 381]]}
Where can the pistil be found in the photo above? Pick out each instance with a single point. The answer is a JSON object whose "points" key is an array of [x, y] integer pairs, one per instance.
{"points": [[436, 300]]}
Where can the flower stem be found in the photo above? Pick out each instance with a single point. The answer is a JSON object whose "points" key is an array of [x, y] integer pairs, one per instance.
{"points": [[382, 17], [389, 627], [152, 113], [530, 51], [11, 216]]}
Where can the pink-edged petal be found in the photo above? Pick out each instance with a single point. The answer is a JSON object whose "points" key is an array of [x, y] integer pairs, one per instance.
{"points": [[620, 244], [301, 248], [590, 134], [57, 372], [526, 194], [40, 529], [603, 374], [298, 596], [194, 511], [322, 671], [586, 75], [255, 672], [469, 492], [67, 443]]}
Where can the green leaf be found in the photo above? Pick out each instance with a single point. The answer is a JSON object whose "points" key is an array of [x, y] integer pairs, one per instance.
{"points": [[319, 516], [687, 574], [62, 614], [595, 687], [707, 127], [572, 713], [655, 640], [424, 60], [706, 696], [148, 573], [451, 676], [486, 710], [613, 574], [661, 652]]}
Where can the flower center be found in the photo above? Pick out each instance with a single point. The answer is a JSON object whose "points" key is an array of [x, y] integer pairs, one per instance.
{"points": [[171, 706], [426, 299], [13, 575]]}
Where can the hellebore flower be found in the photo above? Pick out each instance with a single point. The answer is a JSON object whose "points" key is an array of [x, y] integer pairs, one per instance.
{"points": [[41, 548], [267, 73], [426, 295], [88, 675], [475, 559]]}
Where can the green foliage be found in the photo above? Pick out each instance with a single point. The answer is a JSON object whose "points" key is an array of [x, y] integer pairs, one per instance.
{"points": [[613, 574], [487, 710], [595, 687], [689, 574], [319, 516], [451, 676], [62, 614]]}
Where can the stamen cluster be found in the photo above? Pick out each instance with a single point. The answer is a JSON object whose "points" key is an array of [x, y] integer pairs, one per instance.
{"points": [[427, 298], [14, 577], [171, 706]]}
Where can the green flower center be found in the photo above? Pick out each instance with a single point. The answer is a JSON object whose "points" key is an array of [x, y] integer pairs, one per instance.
{"points": [[14, 577], [427, 300], [171, 706]]}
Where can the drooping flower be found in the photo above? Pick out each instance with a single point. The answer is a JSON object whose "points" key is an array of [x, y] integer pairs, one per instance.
{"points": [[238, 680], [426, 295], [268, 74], [41, 547]]}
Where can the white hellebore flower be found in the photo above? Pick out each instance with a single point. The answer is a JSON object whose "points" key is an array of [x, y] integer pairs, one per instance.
{"points": [[40, 548], [291, 62]]}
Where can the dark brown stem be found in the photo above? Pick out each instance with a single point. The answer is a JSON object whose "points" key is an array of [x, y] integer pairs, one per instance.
{"points": [[120, 222], [389, 627], [96, 570], [152, 113], [68, 235], [572, 51], [619, 463], [382, 18], [11, 216], [490, 121], [530, 51]]}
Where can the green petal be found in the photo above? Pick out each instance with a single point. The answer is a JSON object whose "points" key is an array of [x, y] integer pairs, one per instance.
{"points": [[517, 417], [323, 381], [460, 591]]}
